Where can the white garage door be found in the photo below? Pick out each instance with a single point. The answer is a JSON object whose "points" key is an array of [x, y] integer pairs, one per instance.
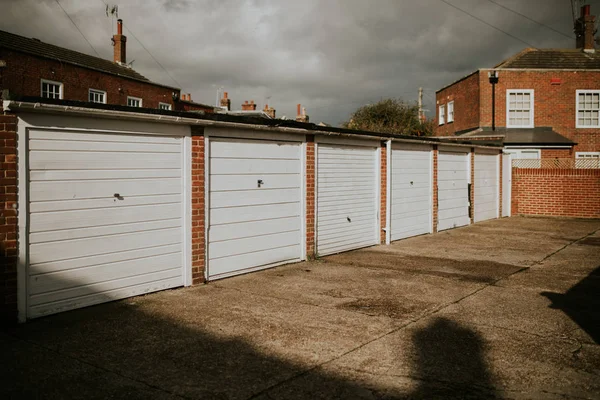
{"points": [[411, 190], [105, 218], [453, 186], [255, 205], [486, 187], [347, 180]]}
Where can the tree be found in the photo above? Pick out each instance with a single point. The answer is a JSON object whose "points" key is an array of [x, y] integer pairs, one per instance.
{"points": [[390, 116]]}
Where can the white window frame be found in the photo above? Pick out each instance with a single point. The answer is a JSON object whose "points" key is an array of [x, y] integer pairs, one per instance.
{"points": [[586, 155], [532, 109], [96, 91], [139, 100], [450, 112], [49, 82], [162, 105], [442, 114], [577, 93]]}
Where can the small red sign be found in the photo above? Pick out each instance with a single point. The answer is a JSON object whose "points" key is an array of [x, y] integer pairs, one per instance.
{"points": [[555, 81]]}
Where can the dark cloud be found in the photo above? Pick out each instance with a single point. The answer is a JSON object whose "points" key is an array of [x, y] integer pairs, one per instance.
{"points": [[332, 56]]}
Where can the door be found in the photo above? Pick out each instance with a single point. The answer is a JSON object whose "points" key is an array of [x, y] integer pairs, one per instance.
{"points": [[411, 190], [486, 187], [347, 198], [105, 218], [506, 185], [255, 202], [453, 189]]}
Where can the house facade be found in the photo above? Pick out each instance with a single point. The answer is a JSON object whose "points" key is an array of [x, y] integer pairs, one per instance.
{"points": [[540, 103], [30, 68]]}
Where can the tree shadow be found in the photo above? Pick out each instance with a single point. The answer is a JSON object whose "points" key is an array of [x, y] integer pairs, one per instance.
{"points": [[581, 303], [450, 362]]}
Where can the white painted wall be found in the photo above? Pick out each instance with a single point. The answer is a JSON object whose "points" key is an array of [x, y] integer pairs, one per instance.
{"points": [[506, 185]]}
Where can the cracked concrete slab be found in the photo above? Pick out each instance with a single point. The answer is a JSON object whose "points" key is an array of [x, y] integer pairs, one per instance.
{"points": [[505, 309]]}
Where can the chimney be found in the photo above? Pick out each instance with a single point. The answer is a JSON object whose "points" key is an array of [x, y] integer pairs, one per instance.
{"points": [[301, 114], [119, 41], [584, 30], [270, 111], [249, 106], [189, 97], [226, 102]]}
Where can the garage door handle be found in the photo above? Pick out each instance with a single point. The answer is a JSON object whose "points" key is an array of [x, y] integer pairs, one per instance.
{"points": [[118, 196], [259, 182]]}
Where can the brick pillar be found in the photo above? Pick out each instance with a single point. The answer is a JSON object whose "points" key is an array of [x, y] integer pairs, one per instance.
{"points": [[198, 217], [8, 219], [435, 188], [500, 186], [310, 197], [383, 202], [472, 193]]}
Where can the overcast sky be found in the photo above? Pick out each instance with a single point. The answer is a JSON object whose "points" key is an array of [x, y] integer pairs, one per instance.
{"points": [[330, 55]]}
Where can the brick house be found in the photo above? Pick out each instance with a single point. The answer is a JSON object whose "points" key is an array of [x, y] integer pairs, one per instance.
{"points": [[31, 68], [540, 103]]}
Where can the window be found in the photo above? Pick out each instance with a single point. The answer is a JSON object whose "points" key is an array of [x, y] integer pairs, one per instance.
{"points": [[97, 96], [588, 109], [52, 90], [442, 115], [587, 159], [451, 111], [164, 106], [519, 106], [134, 101]]}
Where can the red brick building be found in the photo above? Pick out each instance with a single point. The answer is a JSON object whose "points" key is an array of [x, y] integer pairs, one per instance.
{"points": [[31, 68], [540, 103]]}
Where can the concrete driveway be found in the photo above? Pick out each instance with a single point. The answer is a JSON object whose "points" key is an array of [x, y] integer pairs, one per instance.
{"points": [[507, 308]]}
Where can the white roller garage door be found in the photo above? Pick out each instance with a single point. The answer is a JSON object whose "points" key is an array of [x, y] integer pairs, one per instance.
{"points": [[105, 218], [453, 186], [486, 187], [411, 190], [255, 205], [347, 182]]}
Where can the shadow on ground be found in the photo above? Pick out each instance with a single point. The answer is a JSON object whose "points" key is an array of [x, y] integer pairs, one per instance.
{"points": [[582, 304], [117, 351]]}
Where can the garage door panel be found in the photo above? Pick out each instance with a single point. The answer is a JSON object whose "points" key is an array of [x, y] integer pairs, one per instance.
{"points": [[68, 175], [61, 160], [106, 202], [247, 182], [38, 133], [249, 149], [96, 289], [248, 166], [239, 198], [253, 244], [108, 258], [82, 233], [254, 228], [88, 189], [242, 262], [251, 226], [48, 282], [59, 220], [346, 197], [67, 249], [458, 201], [253, 213], [458, 184], [97, 298], [411, 194], [400, 210], [486, 186], [453, 196], [95, 146]]}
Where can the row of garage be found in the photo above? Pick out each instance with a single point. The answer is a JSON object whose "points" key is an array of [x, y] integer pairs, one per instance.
{"points": [[105, 208]]}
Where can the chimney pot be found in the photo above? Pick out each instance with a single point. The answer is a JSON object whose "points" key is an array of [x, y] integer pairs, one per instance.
{"points": [[298, 107], [224, 95], [119, 27], [189, 97], [585, 10]]}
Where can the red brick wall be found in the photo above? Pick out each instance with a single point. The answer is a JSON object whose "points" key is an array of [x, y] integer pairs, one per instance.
{"points": [[383, 195], [435, 185], [554, 104], [198, 210], [310, 196], [556, 192], [557, 153], [23, 74], [465, 95], [8, 218]]}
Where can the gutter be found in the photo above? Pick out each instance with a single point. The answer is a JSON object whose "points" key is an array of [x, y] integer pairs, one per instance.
{"points": [[15, 105]]}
